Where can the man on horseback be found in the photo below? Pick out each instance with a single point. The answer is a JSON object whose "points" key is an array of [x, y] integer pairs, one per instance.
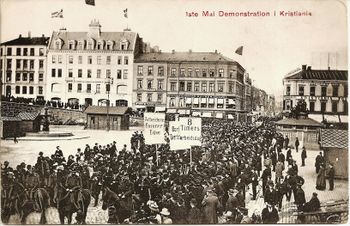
{"points": [[31, 184], [74, 185]]}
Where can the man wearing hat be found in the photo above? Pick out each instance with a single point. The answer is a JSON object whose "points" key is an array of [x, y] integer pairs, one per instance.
{"points": [[211, 206], [331, 174], [303, 156], [312, 205], [232, 202], [32, 182], [73, 185], [165, 216], [269, 214]]}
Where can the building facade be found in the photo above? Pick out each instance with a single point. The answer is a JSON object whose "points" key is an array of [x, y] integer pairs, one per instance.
{"points": [[203, 84], [88, 68], [23, 67], [324, 91]]}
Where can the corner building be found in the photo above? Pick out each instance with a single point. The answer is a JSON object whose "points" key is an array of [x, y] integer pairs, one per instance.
{"points": [[88, 68]]}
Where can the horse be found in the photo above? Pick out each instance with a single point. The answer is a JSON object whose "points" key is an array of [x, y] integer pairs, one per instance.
{"points": [[123, 206], [66, 208], [95, 188]]}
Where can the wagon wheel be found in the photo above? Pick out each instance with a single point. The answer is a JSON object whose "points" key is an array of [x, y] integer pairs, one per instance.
{"points": [[333, 219]]}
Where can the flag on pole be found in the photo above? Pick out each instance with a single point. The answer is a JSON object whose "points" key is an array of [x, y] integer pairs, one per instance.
{"points": [[125, 13], [239, 50], [58, 14], [90, 2]]}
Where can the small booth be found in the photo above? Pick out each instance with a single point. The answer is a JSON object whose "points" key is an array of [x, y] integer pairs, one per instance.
{"points": [[104, 118]]}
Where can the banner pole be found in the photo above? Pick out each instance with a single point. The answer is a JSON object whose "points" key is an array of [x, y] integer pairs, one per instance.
{"points": [[191, 155]]}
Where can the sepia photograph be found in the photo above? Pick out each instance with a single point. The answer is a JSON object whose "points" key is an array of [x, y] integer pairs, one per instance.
{"points": [[174, 112]]}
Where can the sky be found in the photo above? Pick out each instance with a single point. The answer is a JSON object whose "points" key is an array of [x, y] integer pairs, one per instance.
{"points": [[272, 46]]}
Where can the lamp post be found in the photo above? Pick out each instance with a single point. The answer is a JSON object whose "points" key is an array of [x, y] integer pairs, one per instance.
{"points": [[108, 88]]}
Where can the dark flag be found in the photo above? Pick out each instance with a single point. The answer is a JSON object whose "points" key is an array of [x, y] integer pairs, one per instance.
{"points": [[125, 13], [90, 2], [58, 14], [239, 50]]}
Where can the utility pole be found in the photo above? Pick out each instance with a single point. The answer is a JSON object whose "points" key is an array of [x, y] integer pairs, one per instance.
{"points": [[108, 90]]}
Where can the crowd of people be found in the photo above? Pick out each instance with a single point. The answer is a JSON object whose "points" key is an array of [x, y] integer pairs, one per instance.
{"points": [[237, 162]]}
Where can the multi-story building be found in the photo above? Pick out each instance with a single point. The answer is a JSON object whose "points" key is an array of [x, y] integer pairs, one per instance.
{"points": [[23, 67], [91, 67], [324, 91], [248, 93], [197, 83]]}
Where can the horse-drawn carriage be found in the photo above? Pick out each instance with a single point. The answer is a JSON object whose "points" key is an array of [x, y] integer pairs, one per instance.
{"points": [[330, 212]]}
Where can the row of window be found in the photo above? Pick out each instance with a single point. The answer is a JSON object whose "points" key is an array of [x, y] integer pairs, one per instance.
{"points": [[91, 44], [24, 90], [89, 60], [335, 91], [203, 104], [120, 89], [150, 97], [121, 74], [24, 77], [24, 64], [24, 51], [335, 107]]}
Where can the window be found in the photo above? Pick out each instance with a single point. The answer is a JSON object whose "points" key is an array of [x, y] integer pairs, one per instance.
{"points": [[172, 102], [70, 87], [172, 86], [54, 59], [230, 87], [32, 51], [139, 69], [334, 106], [9, 51], [79, 88], [98, 88], [24, 89], [323, 91], [211, 87], [312, 106], [109, 45], [18, 89], [197, 72], [70, 73], [301, 90], [323, 106], [312, 90], [80, 73], [31, 64], [98, 73], [119, 74], [18, 51], [160, 71], [149, 84], [139, 84], [80, 59], [204, 73], [182, 72], [41, 64], [9, 64], [159, 97], [18, 64], [81, 44], [173, 72], [189, 86], [89, 59], [189, 72], [160, 84], [149, 97], [119, 61], [31, 77], [335, 90], [41, 52], [59, 74], [31, 89], [196, 86], [89, 73], [211, 73], [53, 72], [220, 87], [98, 59], [139, 97], [150, 70], [288, 91], [100, 45], [59, 59], [25, 64], [41, 77], [204, 87], [125, 73], [126, 60], [182, 86], [40, 90], [70, 59], [221, 72], [18, 77], [108, 60], [88, 88], [108, 73], [9, 77]]}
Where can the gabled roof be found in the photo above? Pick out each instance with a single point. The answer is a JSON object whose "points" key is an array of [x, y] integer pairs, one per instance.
{"points": [[299, 122], [319, 75], [26, 41], [182, 56], [333, 138], [103, 110], [117, 37], [28, 116]]}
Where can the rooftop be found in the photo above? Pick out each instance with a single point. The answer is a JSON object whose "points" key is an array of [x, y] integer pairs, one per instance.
{"points": [[299, 122], [310, 74], [333, 138], [103, 110], [28, 116], [27, 41]]}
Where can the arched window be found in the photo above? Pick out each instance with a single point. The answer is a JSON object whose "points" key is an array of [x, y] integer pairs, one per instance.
{"points": [[58, 44], [91, 44], [81, 44], [100, 45], [124, 44], [110, 45], [71, 44]]}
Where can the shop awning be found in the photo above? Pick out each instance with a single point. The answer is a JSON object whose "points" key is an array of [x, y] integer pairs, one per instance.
{"points": [[206, 115], [219, 115], [182, 111], [188, 100], [195, 101], [203, 100], [229, 116], [211, 100], [172, 110], [140, 106], [332, 118], [231, 101], [159, 109], [344, 118], [220, 101], [196, 113]]}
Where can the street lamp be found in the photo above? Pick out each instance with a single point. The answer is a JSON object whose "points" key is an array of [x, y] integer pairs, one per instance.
{"points": [[108, 88]]}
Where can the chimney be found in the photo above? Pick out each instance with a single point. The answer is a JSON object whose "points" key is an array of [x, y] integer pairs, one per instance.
{"points": [[29, 35], [309, 68], [43, 36], [303, 67], [20, 36], [94, 29], [329, 68], [190, 50], [173, 51], [216, 51]]}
